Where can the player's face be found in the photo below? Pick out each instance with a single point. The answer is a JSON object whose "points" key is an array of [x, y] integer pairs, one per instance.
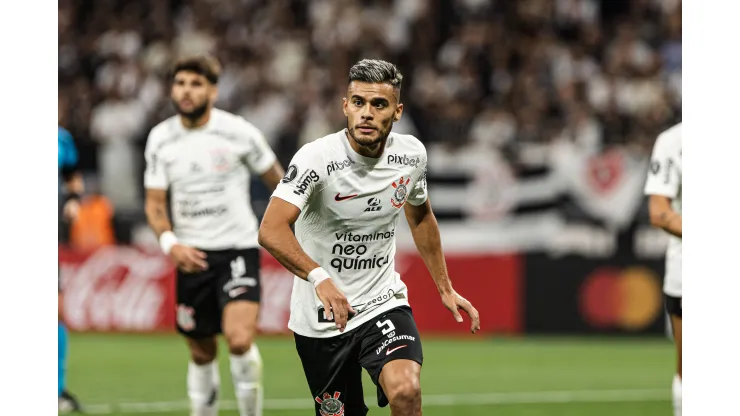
{"points": [[192, 94], [371, 110]]}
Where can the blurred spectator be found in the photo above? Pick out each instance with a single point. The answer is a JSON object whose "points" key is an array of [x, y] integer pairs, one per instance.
{"points": [[93, 226], [499, 80]]}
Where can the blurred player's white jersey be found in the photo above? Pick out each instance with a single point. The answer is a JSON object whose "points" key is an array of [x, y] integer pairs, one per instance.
{"points": [[664, 178], [350, 207], [208, 171]]}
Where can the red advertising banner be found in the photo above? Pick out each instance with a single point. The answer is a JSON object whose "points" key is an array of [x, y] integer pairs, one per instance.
{"points": [[117, 289], [125, 289], [491, 282]]}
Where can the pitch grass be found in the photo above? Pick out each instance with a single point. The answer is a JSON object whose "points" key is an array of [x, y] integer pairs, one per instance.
{"points": [[501, 377]]}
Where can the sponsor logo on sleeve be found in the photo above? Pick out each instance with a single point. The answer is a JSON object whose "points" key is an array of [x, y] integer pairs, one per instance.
{"points": [[153, 165], [290, 174], [305, 181]]}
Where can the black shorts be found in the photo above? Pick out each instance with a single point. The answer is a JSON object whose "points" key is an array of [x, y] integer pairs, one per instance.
{"points": [[673, 305], [201, 297], [333, 366]]}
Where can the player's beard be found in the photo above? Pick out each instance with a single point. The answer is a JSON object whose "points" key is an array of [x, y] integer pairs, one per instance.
{"points": [[370, 142], [195, 113]]}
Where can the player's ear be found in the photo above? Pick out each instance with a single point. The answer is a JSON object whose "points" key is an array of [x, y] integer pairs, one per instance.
{"points": [[214, 93], [344, 105], [399, 112]]}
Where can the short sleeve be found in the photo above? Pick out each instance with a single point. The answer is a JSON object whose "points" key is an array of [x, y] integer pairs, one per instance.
{"points": [[664, 177], [259, 157], [302, 178], [418, 194], [155, 175]]}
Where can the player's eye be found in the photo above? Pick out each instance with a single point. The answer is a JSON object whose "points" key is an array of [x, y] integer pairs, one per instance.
{"points": [[358, 102], [381, 105]]}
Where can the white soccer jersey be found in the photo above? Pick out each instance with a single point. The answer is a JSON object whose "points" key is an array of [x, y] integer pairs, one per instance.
{"points": [[664, 178], [350, 206], [208, 171]]}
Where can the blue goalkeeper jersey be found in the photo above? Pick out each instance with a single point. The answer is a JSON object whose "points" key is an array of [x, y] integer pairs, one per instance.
{"points": [[67, 150], [67, 154]]}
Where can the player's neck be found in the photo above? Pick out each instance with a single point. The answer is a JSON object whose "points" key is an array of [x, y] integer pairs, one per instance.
{"points": [[373, 151], [196, 123]]}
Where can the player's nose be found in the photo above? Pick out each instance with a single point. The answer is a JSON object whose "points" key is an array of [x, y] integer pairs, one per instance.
{"points": [[366, 113]]}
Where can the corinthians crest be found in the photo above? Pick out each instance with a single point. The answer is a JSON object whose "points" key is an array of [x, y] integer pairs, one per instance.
{"points": [[330, 405], [399, 197]]}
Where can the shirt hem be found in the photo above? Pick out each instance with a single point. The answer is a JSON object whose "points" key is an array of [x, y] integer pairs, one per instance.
{"points": [[352, 324]]}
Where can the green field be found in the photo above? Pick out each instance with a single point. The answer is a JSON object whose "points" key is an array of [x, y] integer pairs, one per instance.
{"points": [[136, 374]]}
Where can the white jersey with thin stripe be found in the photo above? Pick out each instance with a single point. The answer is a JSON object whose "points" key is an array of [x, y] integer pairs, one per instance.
{"points": [[665, 179], [350, 207], [207, 171]]}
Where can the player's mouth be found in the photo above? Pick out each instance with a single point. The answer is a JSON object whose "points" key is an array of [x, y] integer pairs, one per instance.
{"points": [[366, 129], [186, 103]]}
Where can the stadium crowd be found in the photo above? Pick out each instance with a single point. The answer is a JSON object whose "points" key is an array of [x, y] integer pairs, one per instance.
{"points": [[484, 79]]}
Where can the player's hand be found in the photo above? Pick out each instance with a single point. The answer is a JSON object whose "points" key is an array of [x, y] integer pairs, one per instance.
{"points": [[335, 303], [71, 209], [454, 302], [188, 259]]}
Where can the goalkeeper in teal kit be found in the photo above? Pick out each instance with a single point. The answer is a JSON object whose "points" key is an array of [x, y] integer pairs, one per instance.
{"points": [[70, 190]]}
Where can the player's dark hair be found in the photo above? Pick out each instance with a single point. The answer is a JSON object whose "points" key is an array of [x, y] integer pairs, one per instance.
{"points": [[376, 71], [206, 66]]}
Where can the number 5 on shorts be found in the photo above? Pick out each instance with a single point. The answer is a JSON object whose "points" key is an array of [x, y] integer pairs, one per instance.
{"points": [[387, 323]]}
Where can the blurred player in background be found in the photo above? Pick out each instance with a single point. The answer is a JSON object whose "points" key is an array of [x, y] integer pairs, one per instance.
{"points": [[663, 186], [70, 191], [204, 157], [345, 194]]}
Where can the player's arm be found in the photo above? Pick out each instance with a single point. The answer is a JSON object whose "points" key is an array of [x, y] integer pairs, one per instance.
{"points": [[663, 216], [277, 237], [156, 183], [272, 176], [663, 184], [186, 258], [155, 206], [425, 231], [261, 159], [275, 234]]}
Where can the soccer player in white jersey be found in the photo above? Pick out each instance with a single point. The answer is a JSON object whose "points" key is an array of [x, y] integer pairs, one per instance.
{"points": [[664, 189], [349, 308], [204, 157]]}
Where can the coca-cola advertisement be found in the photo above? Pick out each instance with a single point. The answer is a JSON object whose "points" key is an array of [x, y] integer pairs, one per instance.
{"points": [[117, 288], [128, 289]]}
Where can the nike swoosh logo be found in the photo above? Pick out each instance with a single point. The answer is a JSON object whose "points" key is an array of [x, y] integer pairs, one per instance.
{"points": [[339, 198], [397, 348]]}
